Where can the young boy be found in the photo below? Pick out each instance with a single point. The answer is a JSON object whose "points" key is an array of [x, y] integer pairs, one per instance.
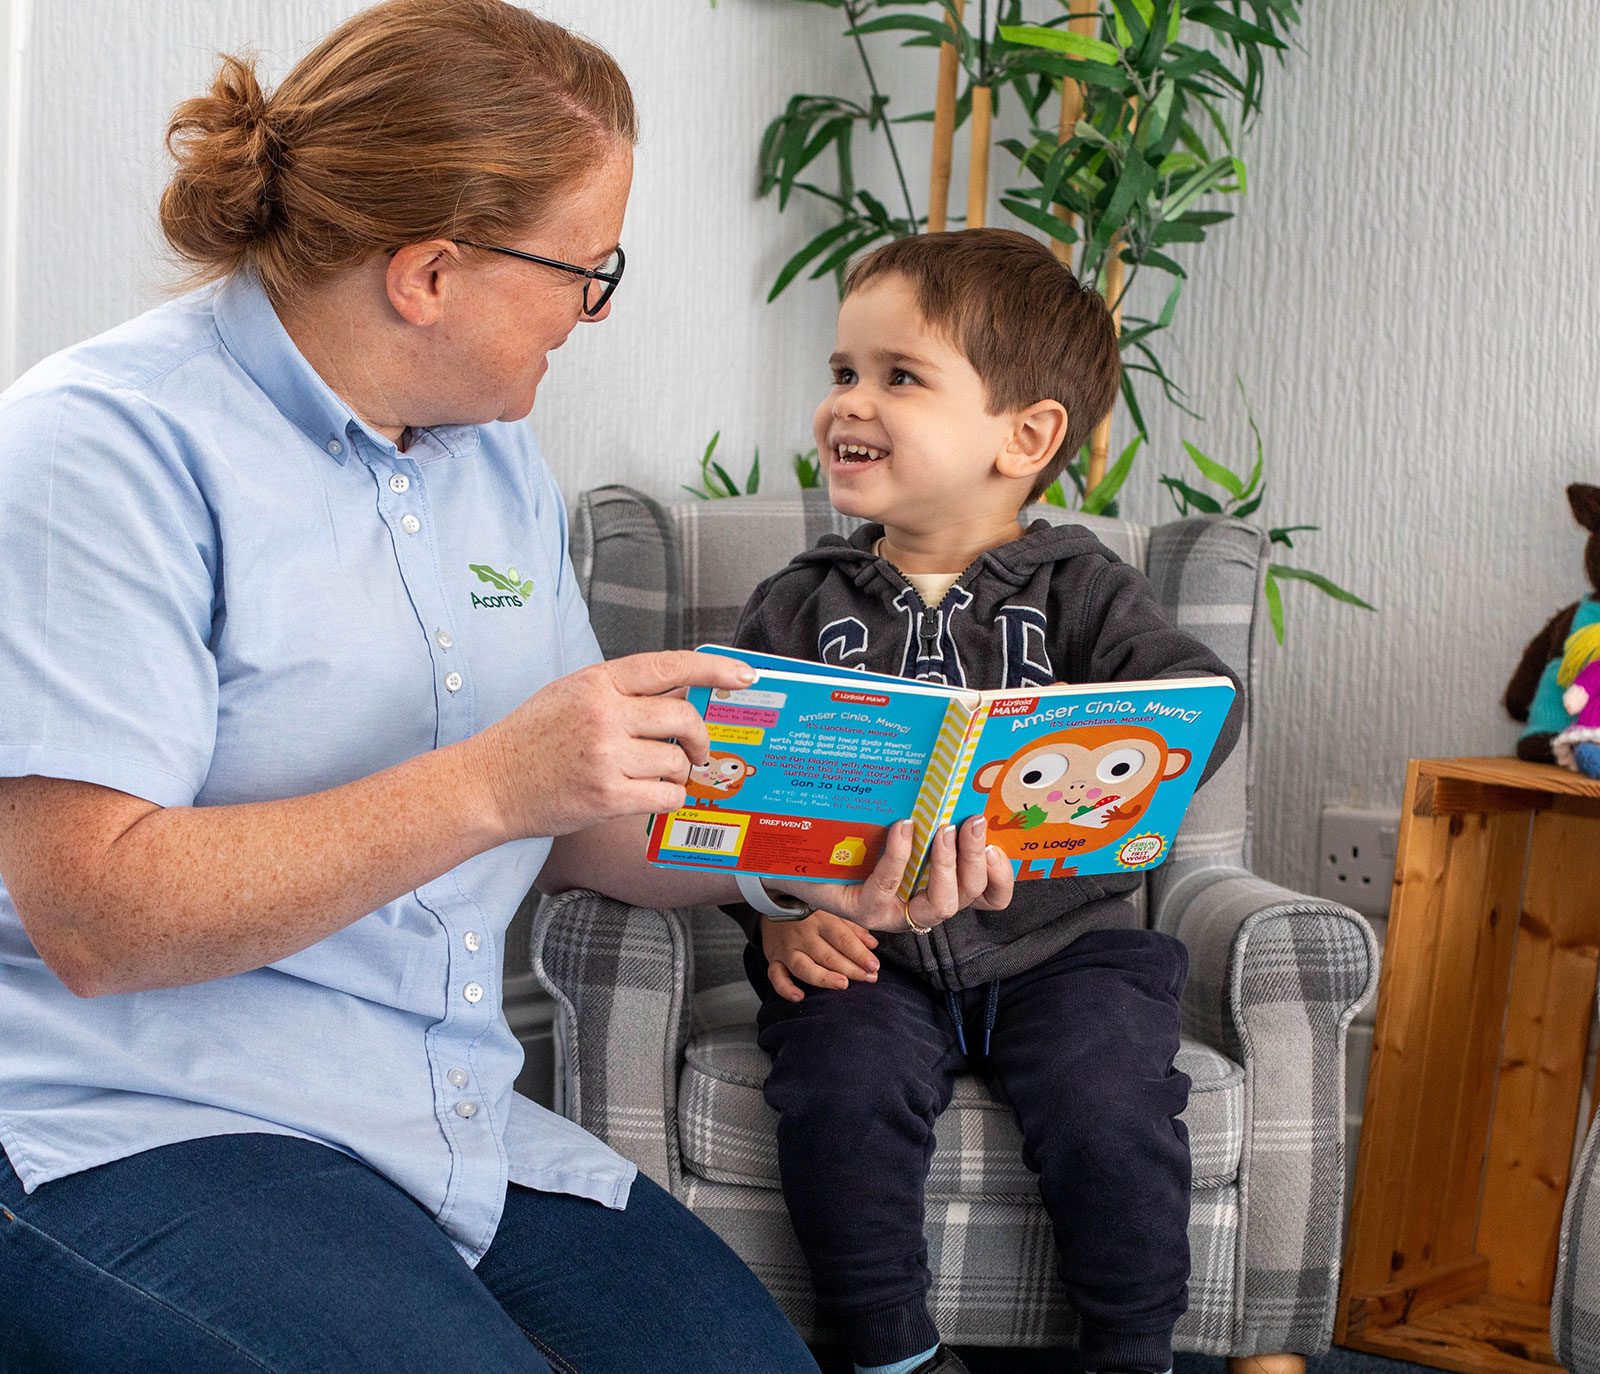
{"points": [[969, 367]]}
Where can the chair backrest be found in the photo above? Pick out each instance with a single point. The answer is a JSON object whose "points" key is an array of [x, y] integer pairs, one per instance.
{"points": [[678, 575]]}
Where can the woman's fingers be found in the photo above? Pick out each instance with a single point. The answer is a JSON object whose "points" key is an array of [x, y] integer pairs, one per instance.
{"points": [[972, 868], [1001, 877], [648, 758], [941, 897]]}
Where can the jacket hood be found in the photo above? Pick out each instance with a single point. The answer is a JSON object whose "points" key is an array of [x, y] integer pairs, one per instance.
{"points": [[1015, 562]]}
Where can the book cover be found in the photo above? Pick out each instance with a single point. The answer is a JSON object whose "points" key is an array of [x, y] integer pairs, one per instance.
{"points": [[812, 764]]}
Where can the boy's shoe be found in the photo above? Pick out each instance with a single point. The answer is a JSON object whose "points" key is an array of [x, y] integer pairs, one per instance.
{"points": [[944, 1361]]}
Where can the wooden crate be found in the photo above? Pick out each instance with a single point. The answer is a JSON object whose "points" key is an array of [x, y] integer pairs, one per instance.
{"points": [[1484, 1009]]}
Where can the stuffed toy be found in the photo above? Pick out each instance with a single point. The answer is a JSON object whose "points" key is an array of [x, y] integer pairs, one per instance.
{"points": [[1534, 694], [1578, 746]]}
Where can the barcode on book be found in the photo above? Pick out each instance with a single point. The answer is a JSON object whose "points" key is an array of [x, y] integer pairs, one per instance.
{"points": [[720, 839]]}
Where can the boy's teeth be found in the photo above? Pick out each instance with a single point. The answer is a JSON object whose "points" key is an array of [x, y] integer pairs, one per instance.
{"points": [[857, 453]]}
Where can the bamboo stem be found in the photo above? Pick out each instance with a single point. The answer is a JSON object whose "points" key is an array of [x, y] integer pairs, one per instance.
{"points": [[944, 130], [1083, 21], [978, 167], [1100, 440]]}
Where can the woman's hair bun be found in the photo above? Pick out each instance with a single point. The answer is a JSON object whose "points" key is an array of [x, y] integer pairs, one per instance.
{"points": [[221, 198]]}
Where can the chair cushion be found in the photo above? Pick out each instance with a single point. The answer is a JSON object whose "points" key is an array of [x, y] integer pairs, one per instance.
{"points": [[728, 1134]]}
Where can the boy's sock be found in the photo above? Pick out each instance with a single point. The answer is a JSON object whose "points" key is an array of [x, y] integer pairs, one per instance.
{"points": [[899, 1366]]}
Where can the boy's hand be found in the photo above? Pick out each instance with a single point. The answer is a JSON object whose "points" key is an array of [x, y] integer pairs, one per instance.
{"points": [[824, 950]]}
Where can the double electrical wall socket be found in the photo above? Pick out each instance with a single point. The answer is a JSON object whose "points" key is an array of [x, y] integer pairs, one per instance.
{"points": [[1355, 864]]}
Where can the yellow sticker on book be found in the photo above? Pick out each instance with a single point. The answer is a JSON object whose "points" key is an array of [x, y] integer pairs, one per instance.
{"points": [[735, 734], [705, 832], [851, 850]]}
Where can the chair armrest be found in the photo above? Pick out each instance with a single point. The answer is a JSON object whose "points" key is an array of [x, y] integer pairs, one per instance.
{"points": [[1575, 1302], [620, 977], [1254, 946], [1275, 979]]}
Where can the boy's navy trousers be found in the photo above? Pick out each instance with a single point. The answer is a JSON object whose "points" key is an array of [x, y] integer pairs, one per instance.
{"points": [[1081, 1050]]}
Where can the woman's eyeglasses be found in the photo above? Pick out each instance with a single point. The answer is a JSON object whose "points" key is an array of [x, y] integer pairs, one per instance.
{"points": [[603, 278]]}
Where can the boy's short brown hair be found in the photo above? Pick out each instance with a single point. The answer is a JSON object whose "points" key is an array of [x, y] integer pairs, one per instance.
{"points": [[1031, 330]]}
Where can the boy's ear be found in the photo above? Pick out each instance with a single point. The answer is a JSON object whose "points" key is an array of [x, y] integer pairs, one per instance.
{"points": [[1038, 434]]}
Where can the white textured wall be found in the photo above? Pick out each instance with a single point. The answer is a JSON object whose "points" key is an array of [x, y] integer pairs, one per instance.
{"points": [[1408, 295]]}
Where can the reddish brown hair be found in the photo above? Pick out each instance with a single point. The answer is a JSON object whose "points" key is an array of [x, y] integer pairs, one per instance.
{"points": [[1031, 330], [413, 120]]}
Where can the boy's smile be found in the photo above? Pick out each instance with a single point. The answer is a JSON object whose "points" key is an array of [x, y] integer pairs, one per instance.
{"points": [[906, 436]]}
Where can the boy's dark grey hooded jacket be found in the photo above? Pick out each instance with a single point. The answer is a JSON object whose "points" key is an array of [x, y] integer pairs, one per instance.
{"points": [[1055, 605]]}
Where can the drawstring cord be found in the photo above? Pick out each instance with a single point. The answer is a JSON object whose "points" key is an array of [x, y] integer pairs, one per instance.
{"points": [[952, 1002], [991, 1007]]}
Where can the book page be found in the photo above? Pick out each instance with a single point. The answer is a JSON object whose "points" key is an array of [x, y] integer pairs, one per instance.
{"points": [[807, 774]]}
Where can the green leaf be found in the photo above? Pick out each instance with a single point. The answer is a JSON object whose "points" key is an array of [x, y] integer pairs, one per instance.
{"points": [[1322, 584], [753, 481], [1222, 476], [1274, 604], [1053, 495], [1041, 219], [1077, 45], [1106, 489], [1215, 17], [843, 254], [1186, 497], [1135, 184], [1129, 23], [820, 244], [913, 23], [729, 486], [807, 469], [494, 579], [1197, 185]]}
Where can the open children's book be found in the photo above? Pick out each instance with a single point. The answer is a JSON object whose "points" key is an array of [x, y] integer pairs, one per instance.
{"points": [[812, 764]]}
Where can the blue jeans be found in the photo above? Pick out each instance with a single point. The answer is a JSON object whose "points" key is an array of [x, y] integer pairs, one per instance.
{"points": [[263, 1252]]}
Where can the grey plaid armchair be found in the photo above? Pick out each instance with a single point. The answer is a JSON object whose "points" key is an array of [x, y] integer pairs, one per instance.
{"points": [[655, 1030], [1575, 1302]]}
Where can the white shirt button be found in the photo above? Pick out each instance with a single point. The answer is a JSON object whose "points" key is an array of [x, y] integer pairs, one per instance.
{"points": [[410, 524], [335, 447], [453, 682], [471, 941], [466, 1109], [399, 483], [473, 992], [457, 1077], [444, 639]]}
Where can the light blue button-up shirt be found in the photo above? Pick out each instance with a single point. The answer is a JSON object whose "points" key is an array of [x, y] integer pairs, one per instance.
{"points": [[217, 586]]}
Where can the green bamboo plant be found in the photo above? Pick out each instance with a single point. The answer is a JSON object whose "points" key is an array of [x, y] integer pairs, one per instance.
{"points": [[1169, 88], [1241, 497]]}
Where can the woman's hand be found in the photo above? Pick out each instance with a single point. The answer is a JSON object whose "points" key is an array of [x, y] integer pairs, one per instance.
{"points": [[824, 950], [962, 871], [614, 739]]}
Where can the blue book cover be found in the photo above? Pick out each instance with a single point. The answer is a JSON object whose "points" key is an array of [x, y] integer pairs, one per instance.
{"points": [[812, 764]]}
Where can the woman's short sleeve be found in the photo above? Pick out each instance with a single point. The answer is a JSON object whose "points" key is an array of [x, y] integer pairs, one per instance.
{"points": [[107, 575]]}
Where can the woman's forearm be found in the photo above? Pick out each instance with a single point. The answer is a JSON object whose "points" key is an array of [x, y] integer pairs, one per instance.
{"points": [[610, 858], [119, 895]]}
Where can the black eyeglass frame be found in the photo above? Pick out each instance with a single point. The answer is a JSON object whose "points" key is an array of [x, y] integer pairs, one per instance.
{"points": [[589, 273]]}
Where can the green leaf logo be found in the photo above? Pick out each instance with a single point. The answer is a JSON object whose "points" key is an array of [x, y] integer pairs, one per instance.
{"points": [[511, 582]]}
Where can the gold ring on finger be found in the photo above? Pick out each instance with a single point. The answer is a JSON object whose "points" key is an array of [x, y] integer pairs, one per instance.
{"points": [[905, 910]]}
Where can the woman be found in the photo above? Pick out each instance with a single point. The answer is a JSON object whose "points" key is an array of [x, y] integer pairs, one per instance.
{"points": [[295, 691]]}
